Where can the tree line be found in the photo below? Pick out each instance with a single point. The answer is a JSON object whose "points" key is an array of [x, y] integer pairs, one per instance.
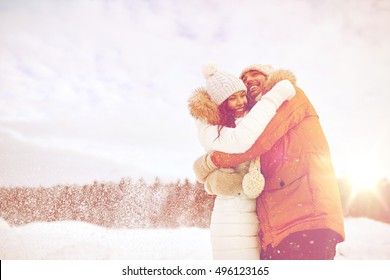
{"points": [[136, 204], [127, 204]]}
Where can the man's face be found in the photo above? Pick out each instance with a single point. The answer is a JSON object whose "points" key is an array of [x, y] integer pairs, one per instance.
{"points": [[254, 82]]}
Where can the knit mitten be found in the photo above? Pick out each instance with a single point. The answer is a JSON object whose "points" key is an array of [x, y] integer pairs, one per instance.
{"points": [[224, 182], [253, 182], [203, 166], [243, 168]]}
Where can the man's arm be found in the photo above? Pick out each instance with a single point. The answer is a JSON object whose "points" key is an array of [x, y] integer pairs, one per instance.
{"points": [[289, 115]]}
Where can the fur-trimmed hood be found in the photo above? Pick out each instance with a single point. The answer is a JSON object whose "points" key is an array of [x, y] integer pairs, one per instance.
{"points": [[201, 107]]}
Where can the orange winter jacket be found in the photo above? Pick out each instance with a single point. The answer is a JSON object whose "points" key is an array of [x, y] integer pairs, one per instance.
{"points": [[301, 190]]}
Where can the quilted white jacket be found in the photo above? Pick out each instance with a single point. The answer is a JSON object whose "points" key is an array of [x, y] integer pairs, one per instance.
{"points": [[234, 223]]}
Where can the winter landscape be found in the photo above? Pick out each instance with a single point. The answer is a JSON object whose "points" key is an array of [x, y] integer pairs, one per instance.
{"points": [[159, 221], [70, 240], [96, 91]]}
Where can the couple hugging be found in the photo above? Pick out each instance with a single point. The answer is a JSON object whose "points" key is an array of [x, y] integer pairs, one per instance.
{"points": [[269, 165]]}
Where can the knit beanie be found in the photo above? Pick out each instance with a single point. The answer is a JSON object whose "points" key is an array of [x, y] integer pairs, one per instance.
{"points": [[265, 69], [220, 85]]}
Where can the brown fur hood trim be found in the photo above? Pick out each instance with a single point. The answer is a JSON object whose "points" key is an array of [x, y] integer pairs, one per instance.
{"points": [[277, 76], [201, 107]]}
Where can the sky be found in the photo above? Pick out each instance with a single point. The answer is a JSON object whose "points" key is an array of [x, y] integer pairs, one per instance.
{"points": [[104, 84]]}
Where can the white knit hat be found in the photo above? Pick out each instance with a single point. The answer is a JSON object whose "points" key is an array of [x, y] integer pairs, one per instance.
{"points": [[262, 68], [220, 85]]}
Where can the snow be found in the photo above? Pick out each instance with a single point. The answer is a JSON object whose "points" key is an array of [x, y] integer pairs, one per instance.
{"points": [[72, 240], [80, 240]]}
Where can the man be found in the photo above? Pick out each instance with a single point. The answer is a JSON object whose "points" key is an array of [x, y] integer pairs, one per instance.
{"points": [[299, 210]]}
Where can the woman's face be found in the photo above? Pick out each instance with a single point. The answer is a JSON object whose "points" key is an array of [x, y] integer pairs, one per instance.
{"points": [[237, 103]]}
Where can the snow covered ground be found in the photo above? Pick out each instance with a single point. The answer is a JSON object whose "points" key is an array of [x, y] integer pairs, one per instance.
{"points": [[70, 240]]}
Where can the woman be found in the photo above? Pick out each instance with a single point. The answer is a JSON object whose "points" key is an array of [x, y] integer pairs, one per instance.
{"points": [[219, 110]]}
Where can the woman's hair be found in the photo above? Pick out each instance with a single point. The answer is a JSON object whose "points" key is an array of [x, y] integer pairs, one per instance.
{"points": [[227, 117]]}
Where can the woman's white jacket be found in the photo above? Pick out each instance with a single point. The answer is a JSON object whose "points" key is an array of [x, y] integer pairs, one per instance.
{"points": [[234, 223]]}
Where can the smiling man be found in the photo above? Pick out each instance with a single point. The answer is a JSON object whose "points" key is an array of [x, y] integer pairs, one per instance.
{"points": [[255, 79]]}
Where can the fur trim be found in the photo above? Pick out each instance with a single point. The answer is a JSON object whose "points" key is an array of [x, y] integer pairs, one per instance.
{"points": [[277, 76], [203, 108]]}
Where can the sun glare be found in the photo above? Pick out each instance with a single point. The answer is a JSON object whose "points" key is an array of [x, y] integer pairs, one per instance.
{"points": [[363, 177]]}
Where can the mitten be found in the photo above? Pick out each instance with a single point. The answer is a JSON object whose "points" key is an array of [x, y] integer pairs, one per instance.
{"points": [[224, 182], [243, 167], [253, 182], [203, 166]]}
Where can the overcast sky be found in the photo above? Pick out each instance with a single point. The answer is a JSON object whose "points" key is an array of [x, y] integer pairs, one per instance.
{"points": [[111, 78]]}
